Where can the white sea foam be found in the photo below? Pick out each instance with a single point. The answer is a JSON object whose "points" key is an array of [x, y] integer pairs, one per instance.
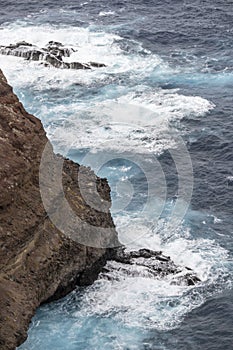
{"points": [[106, 13], [138, 124], [121, 118], [134, 118], [145, 302]]}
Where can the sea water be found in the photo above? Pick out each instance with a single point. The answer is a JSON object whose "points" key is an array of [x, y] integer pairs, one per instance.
{"points": [[156, 121]]}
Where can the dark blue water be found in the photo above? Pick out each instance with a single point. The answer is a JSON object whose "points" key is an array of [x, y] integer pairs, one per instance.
{"points": [[173, 58]]}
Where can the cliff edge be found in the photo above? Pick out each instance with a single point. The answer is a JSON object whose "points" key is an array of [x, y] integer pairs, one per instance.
{"points": [[38, 262]]}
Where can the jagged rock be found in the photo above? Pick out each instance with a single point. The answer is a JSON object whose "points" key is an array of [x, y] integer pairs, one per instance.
{"points": [[28, 52], [58, 49], [51, 55], [54, 61], [37, 262], [151, 264]]}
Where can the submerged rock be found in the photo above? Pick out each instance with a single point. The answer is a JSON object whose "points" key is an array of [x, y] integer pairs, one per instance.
{"points": [[38, 262], [51, 55]]}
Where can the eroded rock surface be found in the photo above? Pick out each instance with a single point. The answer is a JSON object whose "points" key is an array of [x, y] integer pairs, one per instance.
{"points": [[37, 261], [51, 55]]}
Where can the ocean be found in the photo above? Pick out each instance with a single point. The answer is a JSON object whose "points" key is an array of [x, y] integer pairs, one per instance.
{"points": [[157, 123]]}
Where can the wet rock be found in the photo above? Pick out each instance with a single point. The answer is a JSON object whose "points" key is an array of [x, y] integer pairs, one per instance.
{"points": [[35, 55], [57, 49], [52, 55], [78, 65], [192, 279], [54, 61], [148, 263], [28, 52], [97, 65]]}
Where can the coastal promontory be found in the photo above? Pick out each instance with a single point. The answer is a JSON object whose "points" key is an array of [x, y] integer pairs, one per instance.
{"points": [[38, 262]]}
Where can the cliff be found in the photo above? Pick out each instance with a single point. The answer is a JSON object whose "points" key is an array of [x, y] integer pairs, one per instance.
{"points": [[38, 260]]}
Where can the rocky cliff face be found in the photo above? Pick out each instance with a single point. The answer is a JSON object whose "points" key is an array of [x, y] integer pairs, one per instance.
{"points": [[37, 261], [44, 254]]}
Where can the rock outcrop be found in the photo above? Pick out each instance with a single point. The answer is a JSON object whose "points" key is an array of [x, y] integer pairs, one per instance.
{"points": [[148, 263], [51, 55], [37, 261]]}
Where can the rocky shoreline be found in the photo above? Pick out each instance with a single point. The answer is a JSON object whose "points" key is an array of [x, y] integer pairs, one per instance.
{"points": [[39, 263]]}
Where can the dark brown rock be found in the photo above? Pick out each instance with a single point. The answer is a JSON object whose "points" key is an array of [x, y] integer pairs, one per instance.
{"points": [[37, 261]]}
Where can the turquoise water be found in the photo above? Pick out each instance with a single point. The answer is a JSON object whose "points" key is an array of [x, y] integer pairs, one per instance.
{"points": [[157, 123]]}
